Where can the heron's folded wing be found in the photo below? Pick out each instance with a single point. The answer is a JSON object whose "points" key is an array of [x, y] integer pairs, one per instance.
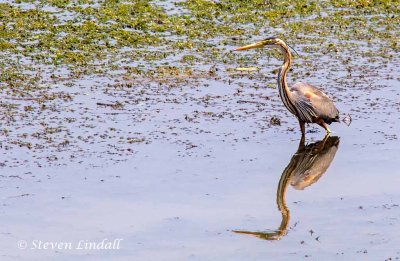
{"points": [[305, 109], [309, 98]]}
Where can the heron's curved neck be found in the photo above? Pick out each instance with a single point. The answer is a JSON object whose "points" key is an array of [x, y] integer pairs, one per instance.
{"points": [[282, 83]]}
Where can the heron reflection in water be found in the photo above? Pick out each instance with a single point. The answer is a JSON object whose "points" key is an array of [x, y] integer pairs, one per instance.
{"points": [[307, 165]]}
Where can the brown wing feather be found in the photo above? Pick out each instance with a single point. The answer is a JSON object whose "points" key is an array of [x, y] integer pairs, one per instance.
{"points": [[314, 102]]}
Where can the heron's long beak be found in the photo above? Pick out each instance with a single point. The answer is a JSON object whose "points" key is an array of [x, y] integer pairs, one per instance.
{"points": [[250, 46]]}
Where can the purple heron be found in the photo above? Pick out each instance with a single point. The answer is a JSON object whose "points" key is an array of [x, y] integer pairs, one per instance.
{"points": [[306, 102]]}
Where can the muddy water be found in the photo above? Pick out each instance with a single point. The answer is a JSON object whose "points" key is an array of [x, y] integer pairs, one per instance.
{"points": [[211, 165]]}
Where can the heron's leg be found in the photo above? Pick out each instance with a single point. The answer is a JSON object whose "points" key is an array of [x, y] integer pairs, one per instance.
{"points": [[302, 144], [321, 144], [302, 128], [328, 131], [324, 125]]}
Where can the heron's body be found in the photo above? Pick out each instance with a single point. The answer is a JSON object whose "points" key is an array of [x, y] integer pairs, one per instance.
{"points": [[306, 102]]}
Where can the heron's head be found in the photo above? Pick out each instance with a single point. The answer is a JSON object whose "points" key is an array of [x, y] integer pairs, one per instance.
{"points": [[269, 41]]}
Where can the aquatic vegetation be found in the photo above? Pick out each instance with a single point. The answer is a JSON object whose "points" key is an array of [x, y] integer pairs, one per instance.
{"points": [[48, 48], [76, 33]]}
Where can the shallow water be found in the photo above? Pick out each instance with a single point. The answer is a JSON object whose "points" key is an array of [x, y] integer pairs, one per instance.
{"points": [[173, 165], [182, 195]]}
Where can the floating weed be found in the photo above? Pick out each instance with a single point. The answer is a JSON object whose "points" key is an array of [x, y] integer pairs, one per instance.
{"points": [[47, 46]]}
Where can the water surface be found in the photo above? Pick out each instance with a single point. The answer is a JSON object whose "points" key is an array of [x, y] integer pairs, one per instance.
{"points": [[175, 158]]}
